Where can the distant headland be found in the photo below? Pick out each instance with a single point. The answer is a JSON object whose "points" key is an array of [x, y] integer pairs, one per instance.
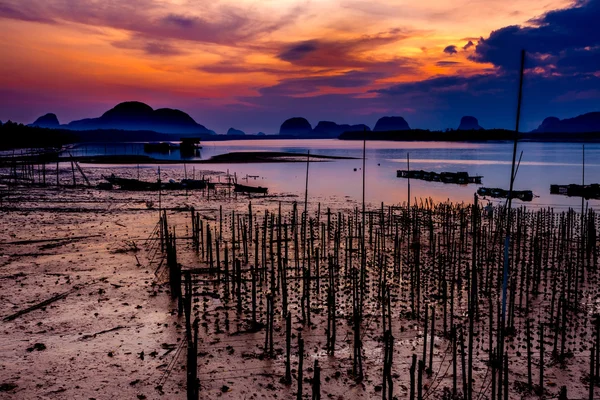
{"points": [[136, 121]]}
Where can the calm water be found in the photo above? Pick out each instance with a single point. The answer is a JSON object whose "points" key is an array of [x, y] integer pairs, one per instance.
{"points": [[542, 164]]}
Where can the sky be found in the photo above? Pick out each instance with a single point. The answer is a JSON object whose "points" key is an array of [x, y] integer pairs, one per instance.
{"points": [[251, 64]]}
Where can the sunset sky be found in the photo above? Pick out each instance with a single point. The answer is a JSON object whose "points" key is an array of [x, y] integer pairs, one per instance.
{"points": [[252, 64]]}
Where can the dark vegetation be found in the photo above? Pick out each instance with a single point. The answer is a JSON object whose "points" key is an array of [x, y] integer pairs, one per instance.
{"points": [[471, 136], [14, 136]]}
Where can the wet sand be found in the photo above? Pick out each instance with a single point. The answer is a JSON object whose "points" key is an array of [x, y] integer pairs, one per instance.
{"points": [[116, 333]]}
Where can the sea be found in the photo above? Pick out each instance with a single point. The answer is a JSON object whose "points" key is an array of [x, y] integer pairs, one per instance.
{"points": [[538, 166]]}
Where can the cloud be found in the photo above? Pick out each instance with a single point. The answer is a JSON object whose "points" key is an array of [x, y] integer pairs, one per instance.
{"points": [[219, 24], [307, 85], [450, 83], [450, 49], [468, 45], [552, 37], [153, 47], [447, 63], [584, 60], [163, 49], [180, 20], [23, 14], [233, 66], [343, 52], [298, 51]]}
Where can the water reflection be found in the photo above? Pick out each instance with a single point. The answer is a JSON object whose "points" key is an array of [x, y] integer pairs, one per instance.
{"points": [[542, 164]]}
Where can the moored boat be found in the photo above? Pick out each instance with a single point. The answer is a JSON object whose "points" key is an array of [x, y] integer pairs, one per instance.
{"points": [[131, 184], [250, 189], [138, 185]]}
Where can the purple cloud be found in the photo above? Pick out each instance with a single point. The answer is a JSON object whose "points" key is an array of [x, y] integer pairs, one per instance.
{"points": [[229, 25], [450, 50], [180, 20], [23, 14]]}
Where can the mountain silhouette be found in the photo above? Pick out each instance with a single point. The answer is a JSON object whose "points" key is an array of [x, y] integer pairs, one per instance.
{"points": [[589, 122], [46, 121], [235, 132], [331, 129], [296, 126], [137, 116], [391, 124], [468, 123]]}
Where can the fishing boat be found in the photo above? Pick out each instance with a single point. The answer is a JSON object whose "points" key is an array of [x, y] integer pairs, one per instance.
{"points": [[497, 193], [249, 189], [586, 191], [138, 185], [460, 178], [131, 184]]}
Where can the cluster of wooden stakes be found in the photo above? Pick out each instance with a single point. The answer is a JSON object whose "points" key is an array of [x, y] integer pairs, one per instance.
{"points": [[430, 272]]}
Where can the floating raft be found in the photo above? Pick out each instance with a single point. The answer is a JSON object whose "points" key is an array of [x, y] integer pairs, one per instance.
{"points": [[523, 195], [586, 191], [250, 189], [460, 178]]}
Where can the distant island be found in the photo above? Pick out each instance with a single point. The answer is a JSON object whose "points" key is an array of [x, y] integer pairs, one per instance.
{"points": [[589, 122], [132, 116], [138, 122]]}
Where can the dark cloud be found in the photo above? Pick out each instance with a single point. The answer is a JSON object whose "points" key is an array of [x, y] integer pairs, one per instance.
{"points": [[552, 36], [447, 63], [450, 49], [298, 51], [180, 20], [330, 53], [468, 45], [585, 60]]}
